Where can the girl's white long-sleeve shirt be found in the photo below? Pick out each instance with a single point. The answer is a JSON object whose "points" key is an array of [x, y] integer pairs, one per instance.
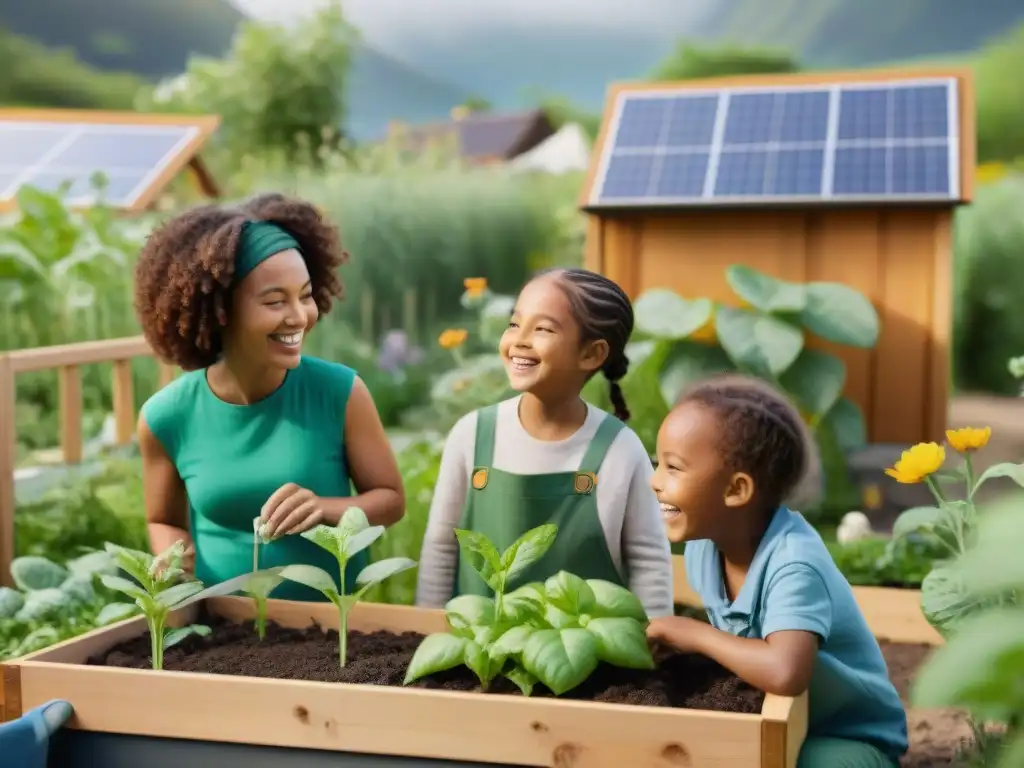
{"points": [[627, 507]]}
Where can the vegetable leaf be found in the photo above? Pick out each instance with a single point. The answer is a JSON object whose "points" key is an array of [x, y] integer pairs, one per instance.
{"points": [[437, 653], [560, 658]]}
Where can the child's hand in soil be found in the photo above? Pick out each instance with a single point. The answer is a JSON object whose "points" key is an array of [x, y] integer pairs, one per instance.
{"points": [[680, 633], [291, 509]]}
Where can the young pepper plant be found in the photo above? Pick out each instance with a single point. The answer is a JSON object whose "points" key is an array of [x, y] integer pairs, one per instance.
{"points": [[260, 584], [160, 587], [555, 633], [351, 536]]}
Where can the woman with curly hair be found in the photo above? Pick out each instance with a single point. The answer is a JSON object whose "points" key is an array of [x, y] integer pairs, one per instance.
{"points": [[254, 427]]}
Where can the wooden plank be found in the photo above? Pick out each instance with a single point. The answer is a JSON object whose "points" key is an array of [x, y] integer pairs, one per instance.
{"points": [[14, 706], [8, 449], [892, 614], [82, 353], [940, 352], [70, 381], [124, 402], [901, 370], [369, 719], [783, 731], [843, 247], [622, 254], [167, 374]]}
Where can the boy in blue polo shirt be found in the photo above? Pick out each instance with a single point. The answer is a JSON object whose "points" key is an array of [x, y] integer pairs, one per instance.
{"points": [[782, 616]]}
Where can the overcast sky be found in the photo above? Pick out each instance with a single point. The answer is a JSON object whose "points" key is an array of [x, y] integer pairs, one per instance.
{"points": [[389, 23]]}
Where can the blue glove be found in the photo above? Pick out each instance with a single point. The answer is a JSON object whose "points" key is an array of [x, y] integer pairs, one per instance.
{"points": [[24, 742]]}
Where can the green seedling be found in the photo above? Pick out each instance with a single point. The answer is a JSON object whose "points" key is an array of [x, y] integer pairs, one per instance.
{"points": [[160, 587], [351, 536], [258, 585], [555, 633]]}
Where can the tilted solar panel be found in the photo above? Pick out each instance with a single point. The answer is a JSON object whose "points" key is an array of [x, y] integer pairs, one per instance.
{"points": [[878, 141]]}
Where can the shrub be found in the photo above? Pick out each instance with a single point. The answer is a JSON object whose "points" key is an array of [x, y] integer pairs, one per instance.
{"points": [[988, 325]]}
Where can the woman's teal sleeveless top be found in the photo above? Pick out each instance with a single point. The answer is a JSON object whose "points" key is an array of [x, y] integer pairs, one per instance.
{"points": [[233, 457]]}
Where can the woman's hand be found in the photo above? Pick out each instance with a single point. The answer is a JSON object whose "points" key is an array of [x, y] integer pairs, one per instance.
{"points": [[291, 509]]}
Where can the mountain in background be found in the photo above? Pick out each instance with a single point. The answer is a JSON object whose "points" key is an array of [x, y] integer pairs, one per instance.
{"points": [[512, 65], [154, 39], [858, 32], [578, 62]]}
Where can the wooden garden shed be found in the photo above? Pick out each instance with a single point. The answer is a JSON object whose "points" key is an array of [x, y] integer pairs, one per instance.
{"points": [[851, 177]]}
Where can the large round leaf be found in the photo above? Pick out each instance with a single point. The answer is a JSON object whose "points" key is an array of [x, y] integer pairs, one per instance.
{"points": [[767, 293], [945, 600], [978, 667], [664, 314], [689, 362], [815, 380], [621, 642], [560, 658], [841, 314], [760, 343], [436, 653], [846, 422], [915, 519]]}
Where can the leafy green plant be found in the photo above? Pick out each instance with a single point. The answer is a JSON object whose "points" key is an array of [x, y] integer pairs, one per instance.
{"points": [[680, 341], [351, 536], [981, 664], [950, 524], [160, 587], [260, 583], [554, 633]]}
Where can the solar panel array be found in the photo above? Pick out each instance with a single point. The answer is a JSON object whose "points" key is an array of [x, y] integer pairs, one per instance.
{"points": [[47, 155], [815, 143]]}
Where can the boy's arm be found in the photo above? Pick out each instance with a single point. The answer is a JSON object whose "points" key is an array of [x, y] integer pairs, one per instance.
{"points": [[798, 615], [440, 553]]}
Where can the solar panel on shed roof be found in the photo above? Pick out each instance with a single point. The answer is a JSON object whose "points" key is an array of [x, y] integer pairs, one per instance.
{"points": [[870, 141], [48, 149]]}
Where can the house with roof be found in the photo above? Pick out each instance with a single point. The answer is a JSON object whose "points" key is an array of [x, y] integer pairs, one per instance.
{"points": [[480, 138]]}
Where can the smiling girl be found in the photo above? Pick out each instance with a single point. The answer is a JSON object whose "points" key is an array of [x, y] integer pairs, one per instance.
{"points": [[547, 456], [254, 427]]}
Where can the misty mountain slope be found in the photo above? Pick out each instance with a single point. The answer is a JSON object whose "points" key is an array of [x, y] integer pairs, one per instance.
{"points": [[858, 32]]}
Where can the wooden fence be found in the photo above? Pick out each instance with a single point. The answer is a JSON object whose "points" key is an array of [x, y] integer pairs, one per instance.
{"points": [[67, 360]]}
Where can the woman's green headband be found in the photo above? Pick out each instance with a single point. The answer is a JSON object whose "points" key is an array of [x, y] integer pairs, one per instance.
{"points": [[258, 242]]}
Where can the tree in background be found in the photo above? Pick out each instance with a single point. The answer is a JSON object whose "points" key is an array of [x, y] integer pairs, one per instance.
{"points": [[1000, 98], [34, 76], [692, 62], [475, 104], [279, 89]]}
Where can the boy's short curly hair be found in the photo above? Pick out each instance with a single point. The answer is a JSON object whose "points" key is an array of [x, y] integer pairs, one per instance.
{"points": [[185, 271], [762, 434]]}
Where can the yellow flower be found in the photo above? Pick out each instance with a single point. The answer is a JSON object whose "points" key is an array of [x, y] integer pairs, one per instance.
{"points": [[452, 338], [917, 463], [475, 286], [968, 438]]}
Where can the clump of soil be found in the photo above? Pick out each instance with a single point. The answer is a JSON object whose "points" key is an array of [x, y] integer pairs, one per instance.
{"points": [[381, 658]]}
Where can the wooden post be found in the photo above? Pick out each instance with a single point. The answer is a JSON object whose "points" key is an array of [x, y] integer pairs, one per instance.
{"points": [[167, 374], [8, 447], [124, 402], [71, 413]]}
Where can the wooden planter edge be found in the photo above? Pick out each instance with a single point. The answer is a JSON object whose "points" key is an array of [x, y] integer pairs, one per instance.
{"points": [[892, 614], [373, 719]]}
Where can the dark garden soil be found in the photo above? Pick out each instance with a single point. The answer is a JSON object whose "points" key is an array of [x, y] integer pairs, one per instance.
{"points": [[938, 737], [381, 658]]}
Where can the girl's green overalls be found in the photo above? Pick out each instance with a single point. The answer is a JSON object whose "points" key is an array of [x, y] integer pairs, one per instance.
{"points": [[503, 506]]}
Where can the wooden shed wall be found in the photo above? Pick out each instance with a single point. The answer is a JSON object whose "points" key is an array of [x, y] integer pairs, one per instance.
{"points": [[898, 257]]}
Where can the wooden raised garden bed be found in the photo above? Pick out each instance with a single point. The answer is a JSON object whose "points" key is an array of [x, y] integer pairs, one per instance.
{"points": [[137, 716], [893, 614]]}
